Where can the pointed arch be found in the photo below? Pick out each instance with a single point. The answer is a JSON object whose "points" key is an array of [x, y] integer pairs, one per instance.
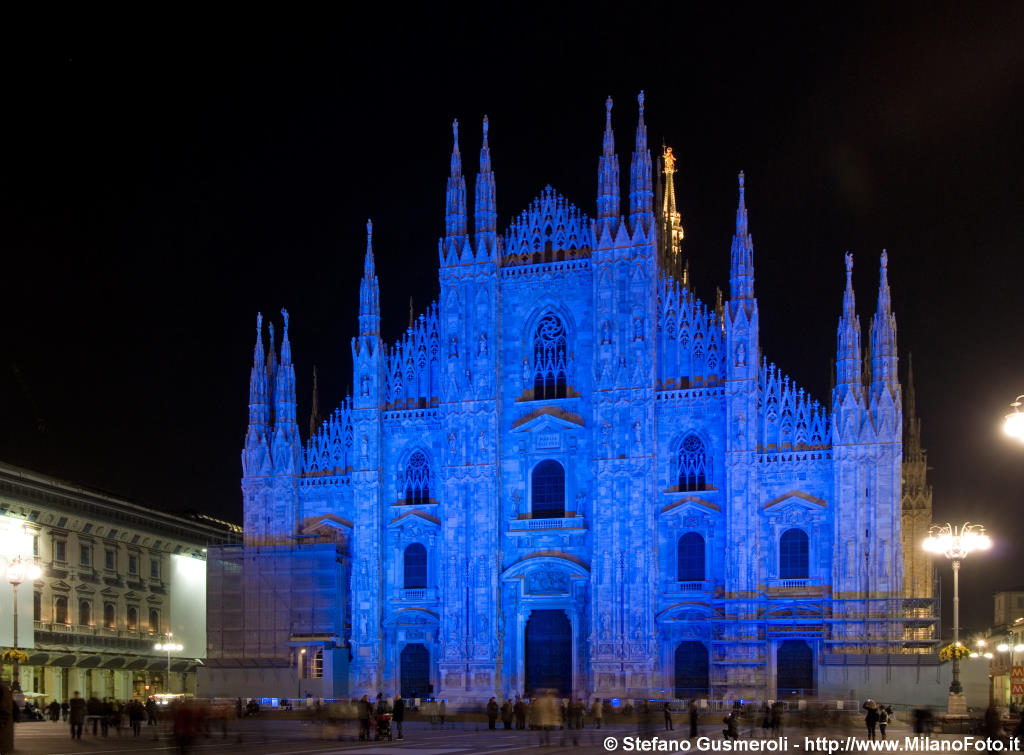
{"points": [[550, 357], [693, 463], [414, 478]]}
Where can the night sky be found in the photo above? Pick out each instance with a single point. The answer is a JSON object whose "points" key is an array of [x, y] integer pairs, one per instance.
{"points": [[156, 194]]}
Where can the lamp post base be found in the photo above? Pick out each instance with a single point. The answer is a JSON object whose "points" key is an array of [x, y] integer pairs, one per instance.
{"points": [[956, 704]]}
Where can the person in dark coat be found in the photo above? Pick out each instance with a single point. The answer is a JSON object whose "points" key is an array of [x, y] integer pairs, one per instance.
{"points": [[519, 710], [76, 715], [398, 716], [54, 709], [694, 719], [731, 730], [365, 711], [7, 706], [871, 718], [668, 716], [506, 713], [492, 713], [135, 714]]}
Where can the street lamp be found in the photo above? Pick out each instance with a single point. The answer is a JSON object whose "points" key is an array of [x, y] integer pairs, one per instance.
{"points": [[955, 543], [18, 570], [1014, 424], [169, 647]]}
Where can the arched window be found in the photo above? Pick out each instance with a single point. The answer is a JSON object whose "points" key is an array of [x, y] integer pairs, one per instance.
{"points": [[60, 609], [549, 349], [793, 554], [154, 621], [84, 612], [108, 615], [690, 558], [548, 490], [415, 566], [694, 464], [415, 481], [133, 618]]}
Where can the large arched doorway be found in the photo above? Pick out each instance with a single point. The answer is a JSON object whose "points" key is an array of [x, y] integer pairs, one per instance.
{"points": [[415, 663], [549, 652], [691, 670], [794, 669]]}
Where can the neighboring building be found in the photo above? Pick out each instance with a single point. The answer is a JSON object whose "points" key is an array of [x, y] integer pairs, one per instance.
{"points": [[572, 473], [1005, 642], [116, 576]]}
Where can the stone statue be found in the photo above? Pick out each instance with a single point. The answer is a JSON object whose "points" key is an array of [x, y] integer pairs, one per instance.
{"points": [[482, 347]]}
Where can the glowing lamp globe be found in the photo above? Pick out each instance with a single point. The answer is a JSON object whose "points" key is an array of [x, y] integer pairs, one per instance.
{"points": [[1014, 424], [1002, 647]]}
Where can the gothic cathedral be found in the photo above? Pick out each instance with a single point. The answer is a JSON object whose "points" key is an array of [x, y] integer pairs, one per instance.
{"points": [[570, 473]]}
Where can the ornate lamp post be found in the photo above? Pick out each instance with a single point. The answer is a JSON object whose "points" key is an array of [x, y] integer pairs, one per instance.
{"points": [[18, 570], [1014, 423], [955, 543], [169, 647]]}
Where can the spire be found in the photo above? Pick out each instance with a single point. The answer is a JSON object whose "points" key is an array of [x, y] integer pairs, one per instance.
{"points": [[883, 334], [259, 413], [848, 358], [608, 198], [455, 200], [314, 413], [412, 319], [672, 227], [741, 270], [641, 194], [485, 219], [285, 447], [369, 292], [271, 366]]}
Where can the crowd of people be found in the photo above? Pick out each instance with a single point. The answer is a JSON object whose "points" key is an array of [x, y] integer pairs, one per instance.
{"points": [[101, 716]]}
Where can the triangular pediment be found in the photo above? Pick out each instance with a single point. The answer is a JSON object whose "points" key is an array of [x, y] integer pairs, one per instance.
{"points": [[84, 590], [153, 600], [416, 515], [60, 585], [326, 523], [108, 592], [796, 496], [131, 596], [547, 418], [694, 503]]}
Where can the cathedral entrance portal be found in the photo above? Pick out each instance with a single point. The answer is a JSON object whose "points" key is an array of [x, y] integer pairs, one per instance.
{"points": [[794, 669], [415, 664], [549, 652], [691, 670]]}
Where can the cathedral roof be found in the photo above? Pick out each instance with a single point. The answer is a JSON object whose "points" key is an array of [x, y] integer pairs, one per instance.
{"points": [[550, 225]]}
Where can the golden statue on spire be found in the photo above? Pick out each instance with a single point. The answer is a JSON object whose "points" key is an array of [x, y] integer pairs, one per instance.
{"points": [[672, 227]]}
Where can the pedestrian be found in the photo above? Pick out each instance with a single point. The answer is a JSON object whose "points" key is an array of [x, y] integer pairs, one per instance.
{"points": [[597, 712], [398, 715], [519, 711], [150, 712], [694, 718], [731, 730], [64, 710], [76, 715], [442, 711], [6, 719], [135, 715], [506, 713], [668, 716], [54, 711], [871, 718], [883, 720], [365, 711], [492, 713]]}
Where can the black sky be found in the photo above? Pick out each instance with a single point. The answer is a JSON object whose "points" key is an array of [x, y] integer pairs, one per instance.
{"points": [[156, 193]]}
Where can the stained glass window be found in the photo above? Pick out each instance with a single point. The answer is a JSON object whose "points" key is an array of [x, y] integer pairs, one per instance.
{"points": [[549, 349], [694, 465]]}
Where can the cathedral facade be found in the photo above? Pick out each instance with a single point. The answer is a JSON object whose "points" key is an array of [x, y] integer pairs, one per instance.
{"points": [[571, 473]]}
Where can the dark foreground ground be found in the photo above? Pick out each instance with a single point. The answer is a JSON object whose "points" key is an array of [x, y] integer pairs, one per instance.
{"points": [[292, 737]]}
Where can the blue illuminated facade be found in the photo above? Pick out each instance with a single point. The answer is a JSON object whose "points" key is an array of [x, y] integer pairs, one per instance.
{"points": [[570, 472]]}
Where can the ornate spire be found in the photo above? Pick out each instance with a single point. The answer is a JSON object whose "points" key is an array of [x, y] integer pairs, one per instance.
{"points": [[369, 292], [259, 413], [883, 335], [271, 365], [485, 219], [314, 413], [455, 200], [608, 197], [911, 422], [741, 268], [641, 193], [285, 448], [848, 354], [672, 227]]}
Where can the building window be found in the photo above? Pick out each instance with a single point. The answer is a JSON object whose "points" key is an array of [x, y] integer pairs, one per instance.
{"points": [[415, 566], [154, 568], [549, 349], [318, 664], [60, 610], [60, 550], [793, 555], [110, 562], [35, 545], [154, 621], [694, 465], [87, 528], [548, 490], [133, 563], [133, 618], [85, 555], [84, 613], [37, 606], [690, 558], [108, 615], [415, 482]]}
